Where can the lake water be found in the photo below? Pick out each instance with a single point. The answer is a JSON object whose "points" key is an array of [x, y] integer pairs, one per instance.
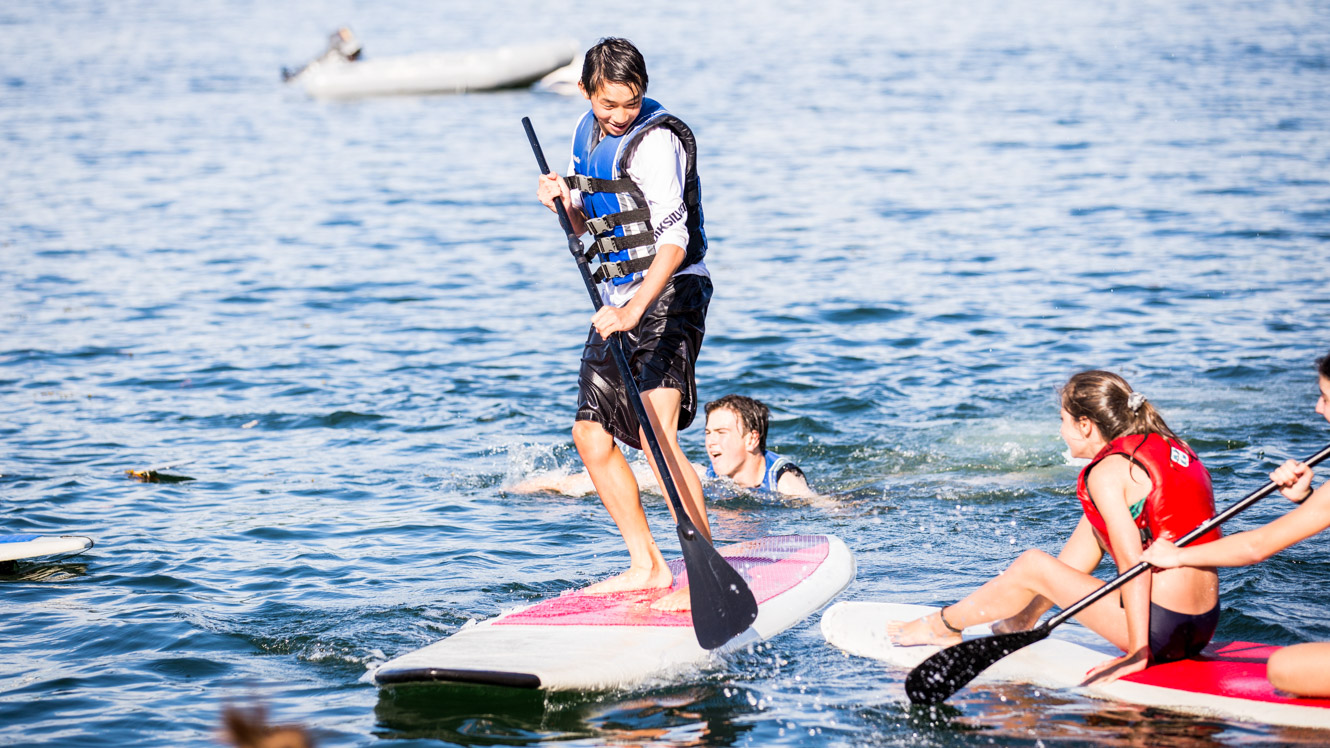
{"points": [[354, 327]]}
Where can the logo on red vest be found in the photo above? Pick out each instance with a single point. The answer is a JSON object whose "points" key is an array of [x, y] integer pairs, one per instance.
{"points": [[1179, 457]]}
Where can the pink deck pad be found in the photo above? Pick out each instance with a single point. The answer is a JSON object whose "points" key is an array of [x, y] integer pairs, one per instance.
{"points": [[1235, 669], [770, 565]]}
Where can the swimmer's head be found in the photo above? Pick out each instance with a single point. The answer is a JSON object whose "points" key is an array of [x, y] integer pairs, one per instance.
{"points": [[736, 428]]}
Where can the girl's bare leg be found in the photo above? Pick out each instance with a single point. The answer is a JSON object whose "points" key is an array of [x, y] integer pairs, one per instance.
{"points": [[1032, 575]]}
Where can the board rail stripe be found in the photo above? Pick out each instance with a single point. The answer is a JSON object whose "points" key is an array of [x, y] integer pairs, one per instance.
{"points": [[453, 675]]}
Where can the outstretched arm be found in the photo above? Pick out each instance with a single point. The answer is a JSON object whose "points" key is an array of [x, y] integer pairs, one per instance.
{"points": [[579, 483], [576, 484], [1252, 546]]}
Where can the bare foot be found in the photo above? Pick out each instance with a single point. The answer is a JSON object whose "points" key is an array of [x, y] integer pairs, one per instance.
{"points": [[675, 602], [926, 630], [634, 579]]}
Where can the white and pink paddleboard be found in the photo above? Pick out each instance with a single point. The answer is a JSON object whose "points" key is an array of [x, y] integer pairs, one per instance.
{"points": [[1227, 680], [599, 642]]}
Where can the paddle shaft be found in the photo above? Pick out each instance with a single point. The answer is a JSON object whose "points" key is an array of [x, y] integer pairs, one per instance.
{"points": [[686, 526], [1200, 530]]}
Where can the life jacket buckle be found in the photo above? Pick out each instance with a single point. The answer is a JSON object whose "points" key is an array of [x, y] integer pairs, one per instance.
{"points": [[612, 270], [578, 182]]}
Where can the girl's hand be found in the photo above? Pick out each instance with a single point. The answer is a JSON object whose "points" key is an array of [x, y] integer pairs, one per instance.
{"points": [[1117, 667], [1162, 554], [1294, 480]]}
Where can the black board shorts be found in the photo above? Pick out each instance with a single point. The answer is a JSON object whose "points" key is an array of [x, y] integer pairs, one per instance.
{"points": [[662, 352]]}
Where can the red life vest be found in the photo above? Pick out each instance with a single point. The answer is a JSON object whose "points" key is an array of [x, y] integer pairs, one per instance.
{"points": [[1180, 495]]}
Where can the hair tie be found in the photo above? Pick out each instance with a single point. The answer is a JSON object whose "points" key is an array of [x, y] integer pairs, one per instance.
{"points": [[1135, 400]]}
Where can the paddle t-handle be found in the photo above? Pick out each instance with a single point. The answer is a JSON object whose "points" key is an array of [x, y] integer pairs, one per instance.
{"points": [[722, 604], [949, 669]]}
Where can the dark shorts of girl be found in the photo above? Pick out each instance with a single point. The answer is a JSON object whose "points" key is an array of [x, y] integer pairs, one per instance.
{"points": [[1177, 636], [662, 352]]}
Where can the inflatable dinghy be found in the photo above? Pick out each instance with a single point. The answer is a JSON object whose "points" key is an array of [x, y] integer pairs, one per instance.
{"points": [[335, 76]]}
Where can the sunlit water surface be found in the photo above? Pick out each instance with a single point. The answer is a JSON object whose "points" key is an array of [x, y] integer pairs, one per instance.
{"points": [[353, 326]]}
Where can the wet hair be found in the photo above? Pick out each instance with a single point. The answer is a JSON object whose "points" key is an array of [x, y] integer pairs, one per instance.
{"points": [[614, 60], [1105, 398], [752, 414], [1323, 366]]}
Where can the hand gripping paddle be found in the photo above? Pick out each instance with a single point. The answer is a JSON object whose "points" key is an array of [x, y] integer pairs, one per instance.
{"points": [[946, 672], [723, 606]]}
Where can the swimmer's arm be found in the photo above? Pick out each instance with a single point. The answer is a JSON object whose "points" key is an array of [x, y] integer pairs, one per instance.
{"points": [[577, 484], [793, 483]]}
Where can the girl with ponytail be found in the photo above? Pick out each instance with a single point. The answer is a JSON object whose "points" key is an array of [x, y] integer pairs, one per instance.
{"points": [[1143, 483]]}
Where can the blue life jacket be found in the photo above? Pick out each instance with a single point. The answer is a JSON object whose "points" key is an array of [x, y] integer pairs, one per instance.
{"points": [[776, 466], [617, 213]]}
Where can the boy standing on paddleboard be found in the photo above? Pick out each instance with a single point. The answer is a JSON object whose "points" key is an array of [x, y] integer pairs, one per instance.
{"points": [[633, 185]]}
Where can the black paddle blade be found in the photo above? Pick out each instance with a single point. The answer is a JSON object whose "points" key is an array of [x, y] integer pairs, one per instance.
{"points": [[723, 606], [947, 672]]}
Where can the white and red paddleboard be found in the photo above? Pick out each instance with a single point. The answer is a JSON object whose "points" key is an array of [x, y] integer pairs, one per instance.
{"points": [[595, 642], [1227, 680]]}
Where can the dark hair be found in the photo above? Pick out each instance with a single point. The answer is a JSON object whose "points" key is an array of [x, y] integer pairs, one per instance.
{"points": [[614, 60], [752, 414], [1323, 366], [1106, 398]]}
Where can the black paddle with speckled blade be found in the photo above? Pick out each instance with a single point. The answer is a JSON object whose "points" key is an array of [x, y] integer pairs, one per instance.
{"points": [[723, 606]]}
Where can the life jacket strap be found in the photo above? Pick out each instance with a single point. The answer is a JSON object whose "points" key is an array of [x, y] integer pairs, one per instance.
{"points": [[621, 269], [605, 224], [607, 244], [592, 184]]}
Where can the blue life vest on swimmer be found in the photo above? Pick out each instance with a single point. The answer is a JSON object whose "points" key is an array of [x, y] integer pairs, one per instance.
{"points": [[617, 213], [776, 467]]}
